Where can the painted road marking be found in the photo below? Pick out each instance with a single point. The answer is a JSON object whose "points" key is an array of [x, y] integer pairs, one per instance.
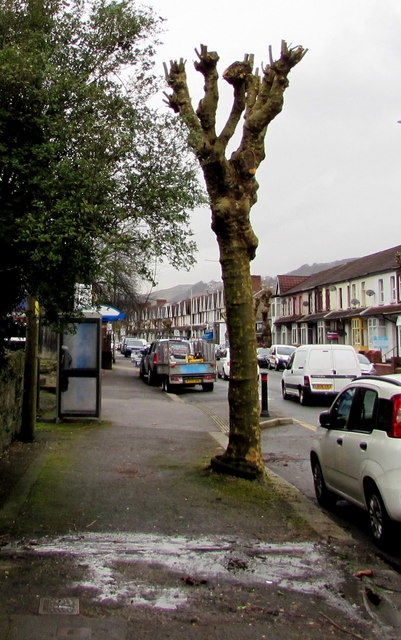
{"points": [[311, 427]]}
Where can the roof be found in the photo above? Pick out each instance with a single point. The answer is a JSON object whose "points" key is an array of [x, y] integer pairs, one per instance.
{"points": [[288, 319], [288, 282], [360, 267], [386, 310]]}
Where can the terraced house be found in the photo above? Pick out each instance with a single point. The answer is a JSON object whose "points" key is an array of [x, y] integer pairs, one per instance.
{"points": [[357, 303]]}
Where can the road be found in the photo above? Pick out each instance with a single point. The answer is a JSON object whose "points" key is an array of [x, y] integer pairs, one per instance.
{"points": [[285, 447]]}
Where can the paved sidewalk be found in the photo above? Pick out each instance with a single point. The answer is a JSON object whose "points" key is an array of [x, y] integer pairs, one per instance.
{"points": [[119, 530]]}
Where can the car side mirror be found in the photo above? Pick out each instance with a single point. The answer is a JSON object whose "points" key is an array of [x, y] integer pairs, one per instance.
{"points": [[325, 419]]}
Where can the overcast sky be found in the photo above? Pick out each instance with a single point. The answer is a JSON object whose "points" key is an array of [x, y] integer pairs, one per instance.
{"points": [[330, 184]]}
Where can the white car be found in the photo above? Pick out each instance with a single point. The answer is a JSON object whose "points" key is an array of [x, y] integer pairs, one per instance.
{"points": [[367, 367], [279, 355], [223, 363], [356, 452]]}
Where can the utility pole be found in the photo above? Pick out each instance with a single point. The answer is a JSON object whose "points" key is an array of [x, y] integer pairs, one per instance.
{"points": [[29, 399]]}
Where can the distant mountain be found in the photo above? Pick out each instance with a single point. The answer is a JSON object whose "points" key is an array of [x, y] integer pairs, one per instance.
{"points": [[309, 269], [184, 291]]}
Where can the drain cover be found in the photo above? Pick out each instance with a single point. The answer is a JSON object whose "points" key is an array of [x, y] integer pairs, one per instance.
{"points": [[71, 633], [67, 606]]}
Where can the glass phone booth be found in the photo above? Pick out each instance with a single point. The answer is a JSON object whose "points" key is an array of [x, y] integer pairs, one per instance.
{"points": [[78, 375]]}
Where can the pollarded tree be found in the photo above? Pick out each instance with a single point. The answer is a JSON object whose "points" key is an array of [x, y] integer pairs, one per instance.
{"points": [[232, 190]]}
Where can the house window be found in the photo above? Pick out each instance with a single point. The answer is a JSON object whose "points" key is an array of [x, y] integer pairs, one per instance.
{"points": [[363, 294], [340, 298], [319, 300], [304, 334], [381, 291], [357, 332], [376, 329], [294, 334], [327, 299], [320, 332], [393, 289]]}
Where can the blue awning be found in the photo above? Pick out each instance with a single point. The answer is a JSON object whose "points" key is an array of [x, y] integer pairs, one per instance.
{"points": [[110, 314]]}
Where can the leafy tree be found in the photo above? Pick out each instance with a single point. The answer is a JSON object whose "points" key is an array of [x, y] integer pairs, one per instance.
{"points": [[232, 189], [84, 160]]}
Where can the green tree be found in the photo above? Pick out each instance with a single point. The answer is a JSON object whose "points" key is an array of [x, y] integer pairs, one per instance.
{"points": [[83, 158], [232, 189]]}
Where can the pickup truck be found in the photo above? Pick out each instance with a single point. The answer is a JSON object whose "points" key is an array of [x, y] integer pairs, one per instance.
{"points": [[176, 363]]}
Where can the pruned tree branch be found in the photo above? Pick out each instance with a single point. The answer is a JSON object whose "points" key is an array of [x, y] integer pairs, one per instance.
{"points": [[207, 107], [239, 75], [180, 100]]}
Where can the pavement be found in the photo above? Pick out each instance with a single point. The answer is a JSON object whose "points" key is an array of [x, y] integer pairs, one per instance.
{"points": [[118, 530]]}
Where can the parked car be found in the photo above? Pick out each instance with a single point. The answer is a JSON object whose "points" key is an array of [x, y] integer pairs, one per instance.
{"points": [[279, 355], [356, 452], [319, 370], [262, 354], [136, 355], [223, 363], [147, 369], [367, 367], [129, 344]]}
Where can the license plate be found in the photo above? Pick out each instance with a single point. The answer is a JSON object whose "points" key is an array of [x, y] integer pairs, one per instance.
{"points": [[194, 381], [324, 387]]}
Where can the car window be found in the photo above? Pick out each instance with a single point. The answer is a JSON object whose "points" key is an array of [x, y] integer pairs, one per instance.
{"points": [[384, 414], [285, 351], [298, 359], [341, 409], [363, 416], [179, 350]]}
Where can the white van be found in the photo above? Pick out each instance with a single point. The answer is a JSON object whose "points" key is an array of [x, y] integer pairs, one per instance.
{"points": [[319, 370]]}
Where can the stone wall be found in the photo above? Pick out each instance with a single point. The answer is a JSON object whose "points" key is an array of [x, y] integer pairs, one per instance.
{"points": [[11, 387]]}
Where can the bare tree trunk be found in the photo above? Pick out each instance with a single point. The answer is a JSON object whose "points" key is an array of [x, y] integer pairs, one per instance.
{"points": [[243, 454], [232, 190]]}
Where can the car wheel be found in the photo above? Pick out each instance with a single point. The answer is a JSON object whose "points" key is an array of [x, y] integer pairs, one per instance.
{"points": [[208, 386], [379, 522], [167, 387], [284, 392], [303, 397], [152, 379], [324, 497]]}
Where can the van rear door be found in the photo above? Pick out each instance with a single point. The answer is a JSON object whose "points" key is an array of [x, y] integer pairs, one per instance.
{"points": [[320, 370], [346, 367]]}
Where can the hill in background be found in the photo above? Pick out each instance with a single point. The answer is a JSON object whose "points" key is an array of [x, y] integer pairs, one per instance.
{"points": [[183, 291]]}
